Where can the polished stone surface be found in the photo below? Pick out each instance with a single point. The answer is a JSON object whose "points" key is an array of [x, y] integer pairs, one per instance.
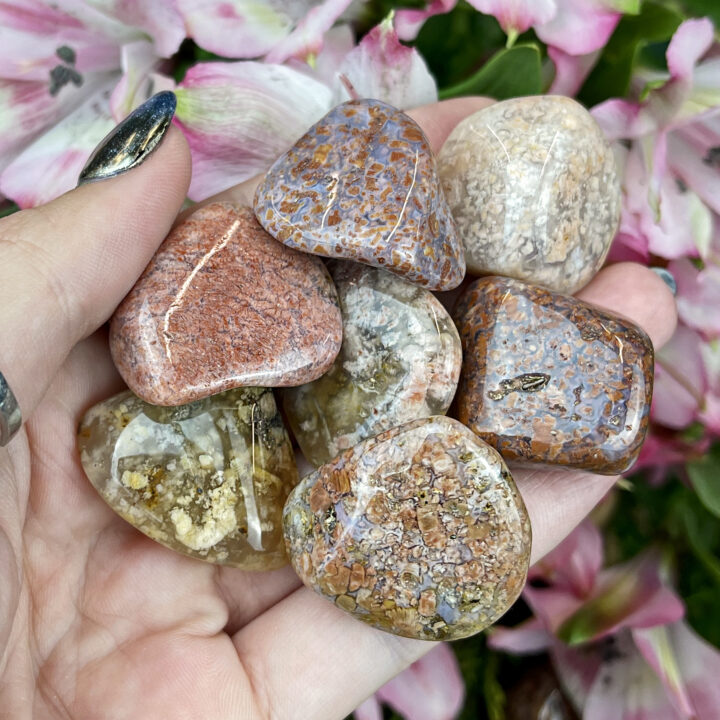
{"points": [[223, 305], [400, 361], [533, 187], [550, 379], [362, 185], [419, 531], [207, 479], [132, 141]]}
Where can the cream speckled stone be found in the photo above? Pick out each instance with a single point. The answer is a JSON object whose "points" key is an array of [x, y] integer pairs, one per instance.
{"points": [[533, 187]]}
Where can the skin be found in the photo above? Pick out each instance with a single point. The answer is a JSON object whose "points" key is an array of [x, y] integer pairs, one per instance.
{"points": [[97, 621]]}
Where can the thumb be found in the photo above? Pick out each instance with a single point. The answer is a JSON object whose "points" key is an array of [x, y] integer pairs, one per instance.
{"points": [[65, 266]]}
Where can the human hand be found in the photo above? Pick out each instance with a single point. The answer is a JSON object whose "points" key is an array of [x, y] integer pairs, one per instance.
{"points": [[96, 620]]}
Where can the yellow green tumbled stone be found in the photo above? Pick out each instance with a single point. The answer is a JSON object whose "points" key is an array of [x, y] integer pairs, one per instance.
{"points": [[207, 479]]}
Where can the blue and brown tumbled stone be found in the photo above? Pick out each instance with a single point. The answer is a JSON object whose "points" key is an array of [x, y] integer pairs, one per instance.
{"points": [[550, 379], [418, 531], [362, 185]]}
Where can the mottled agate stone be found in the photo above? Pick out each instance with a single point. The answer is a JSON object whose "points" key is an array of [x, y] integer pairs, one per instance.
{"points": [[533, 188], [550, 379], [222, 305], [207, 479], [400, 361], [419, 531], [362, 185]]}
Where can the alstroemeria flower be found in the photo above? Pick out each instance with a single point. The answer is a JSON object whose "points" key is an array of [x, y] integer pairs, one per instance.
{"points": [[59, 65], [253, 28], [430, 689], [615, 636], [674, 130], [239, 117]]}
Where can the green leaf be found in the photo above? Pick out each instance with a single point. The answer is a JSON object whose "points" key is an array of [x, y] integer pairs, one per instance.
{"points": [[509, 73], [456, 44], [701, 8], [656, 23], [7, 207], [705, 477]]}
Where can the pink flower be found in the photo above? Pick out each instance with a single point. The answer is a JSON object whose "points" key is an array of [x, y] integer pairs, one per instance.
{"points": [[615, 636], [430, 689], [238, 117], [250, 29], [60, 64], [671, 183]]}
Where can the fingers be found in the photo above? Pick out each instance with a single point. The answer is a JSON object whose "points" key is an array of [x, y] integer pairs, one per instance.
{"points": [[65, 266]]}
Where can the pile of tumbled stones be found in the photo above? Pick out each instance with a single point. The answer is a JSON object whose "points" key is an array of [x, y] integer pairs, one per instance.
{"points": [[411, 520]]}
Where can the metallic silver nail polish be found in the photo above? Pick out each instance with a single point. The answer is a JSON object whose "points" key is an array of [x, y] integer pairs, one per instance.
{"points": [[10, 417], [132, 141], [667, 277]]}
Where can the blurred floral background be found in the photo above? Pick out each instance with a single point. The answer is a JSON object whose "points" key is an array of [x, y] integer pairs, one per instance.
{"points": [[621, 621]]}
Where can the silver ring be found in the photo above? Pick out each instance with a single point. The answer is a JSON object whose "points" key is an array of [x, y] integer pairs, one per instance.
{"points": [[10, 416]]}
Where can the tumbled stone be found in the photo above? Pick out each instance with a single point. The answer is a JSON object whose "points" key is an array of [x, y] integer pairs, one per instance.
{"points": [[207, 479], [362, 185], [222, 305], [550, 379], [419, 531], [533, 187], [400, 361]]}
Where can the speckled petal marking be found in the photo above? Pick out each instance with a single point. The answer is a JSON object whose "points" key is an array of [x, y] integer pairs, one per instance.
{"points": [[207, 479], [550, 379], [362, 185], [418, 531], [400, 361], [534, 191], [223, 305]]}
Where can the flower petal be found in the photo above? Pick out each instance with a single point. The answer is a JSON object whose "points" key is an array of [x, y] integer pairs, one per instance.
{"points": [[688, 667], [627, 596], [579, 27], [698, 295], [692, 156], [574, 564], [160, 19], [626, 688], [408, 22], [381, 67], [570, 70], [621, 119], [135, 86], [690, 42], [51, 165], [430, 689], [338, 42], [238, 117], [240, 28], [528, 637], [369, 710], [517, 16], [577, 668], [306, 40]]}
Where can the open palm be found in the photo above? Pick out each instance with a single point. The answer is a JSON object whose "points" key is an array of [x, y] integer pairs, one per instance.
{"points": [[96, 620]]}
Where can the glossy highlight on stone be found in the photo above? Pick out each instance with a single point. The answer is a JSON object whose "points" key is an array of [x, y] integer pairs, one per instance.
{"points": [[207, 479], [550, 379], [362, 185], [400, 361], [533, 187], [419, 531], [223, 305]]}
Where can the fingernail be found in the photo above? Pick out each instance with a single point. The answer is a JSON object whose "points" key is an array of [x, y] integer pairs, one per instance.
{"points": [[132, 141], [667, 277]]}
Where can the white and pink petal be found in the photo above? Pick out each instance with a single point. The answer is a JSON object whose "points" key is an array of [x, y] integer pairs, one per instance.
{"points": [[239, 117], [306, 40], [50, 166], [381, 67], [517, 16], [409, 21]]}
